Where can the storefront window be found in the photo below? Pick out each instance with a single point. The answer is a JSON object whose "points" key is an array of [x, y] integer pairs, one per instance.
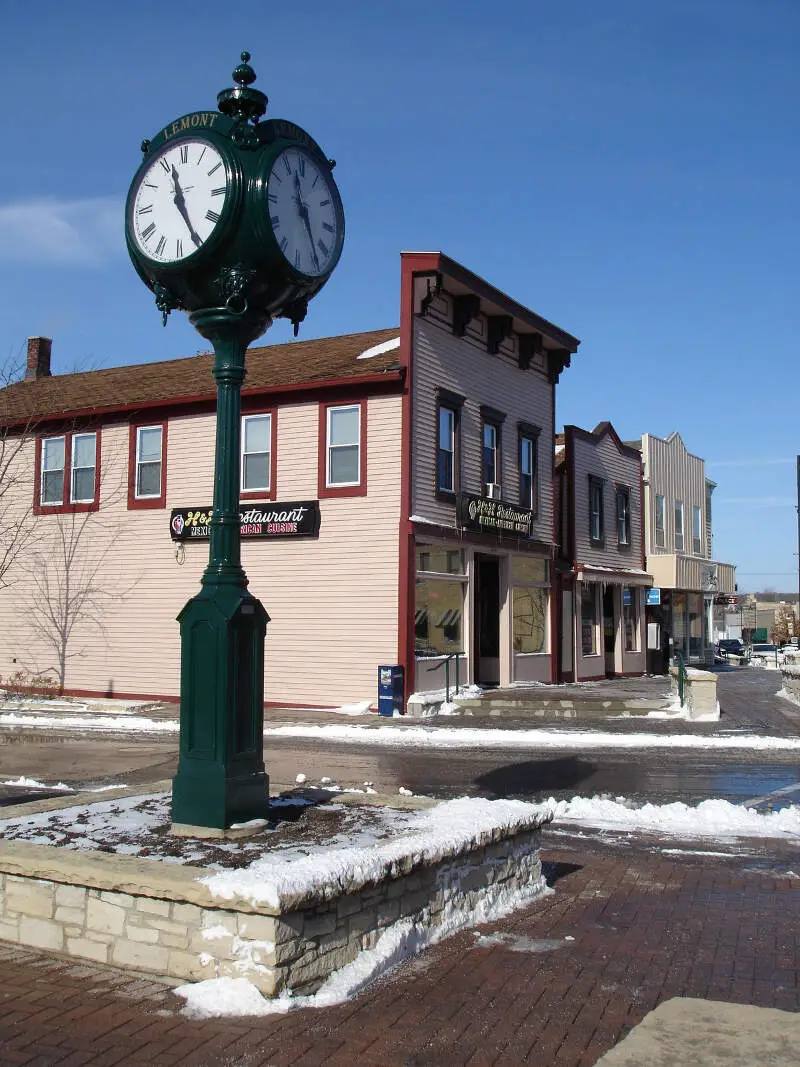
{"points": [[679, 622], [695, 625], [589, 619], [439, 603], [530, 619], [528, 569], [630, 616]]}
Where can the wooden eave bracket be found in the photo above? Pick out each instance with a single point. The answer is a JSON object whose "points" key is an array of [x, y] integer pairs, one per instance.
{"points": [[530, 345], [499, 329], [466, 307]]}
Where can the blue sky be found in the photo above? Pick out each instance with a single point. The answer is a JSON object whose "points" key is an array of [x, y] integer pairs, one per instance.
{"points": [[628, 170]]}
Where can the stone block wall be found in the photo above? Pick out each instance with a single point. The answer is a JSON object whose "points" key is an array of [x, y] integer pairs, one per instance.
{"points": [[293, 950]]}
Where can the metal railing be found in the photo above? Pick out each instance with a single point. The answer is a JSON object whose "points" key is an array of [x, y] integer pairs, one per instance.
{"points": [[683, 674], [436, 666]]}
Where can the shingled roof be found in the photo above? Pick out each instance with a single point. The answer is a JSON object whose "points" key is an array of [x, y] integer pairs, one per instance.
{"points": [[185, 380]]}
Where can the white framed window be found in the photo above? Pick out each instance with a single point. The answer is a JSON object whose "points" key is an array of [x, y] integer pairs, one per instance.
{"points": [[679, 526], [343, 445], [623, 516], [446, 468], [52, 475], [149, 460], [527, 471], [596, 519], [697, 540], [660, 527], [256, 455], [83, 467]]}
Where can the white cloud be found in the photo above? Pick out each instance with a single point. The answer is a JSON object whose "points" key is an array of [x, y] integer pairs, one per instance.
{"points": [[47, 230]]}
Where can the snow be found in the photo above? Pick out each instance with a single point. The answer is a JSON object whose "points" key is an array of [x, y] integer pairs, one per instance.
{"points": [[533, 739], [135, 723], [379, 350], [361, 708], [33, 783], [300, 778]]}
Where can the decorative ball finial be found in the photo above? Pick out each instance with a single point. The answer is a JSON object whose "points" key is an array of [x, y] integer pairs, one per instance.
{"points": [[242, 101]]}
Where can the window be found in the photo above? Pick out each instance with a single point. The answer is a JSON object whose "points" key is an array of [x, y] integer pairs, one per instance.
{"points": [[147, 468], [630, 618], [439, 600], [528, 464], [679, 526], [342, 449], [660, 538], [697, 541], [256, 460], [595, 509], [623, 516], [67, 472], [492, 422], [530, 599], [589, 619], [53, 462], [446, 470]]}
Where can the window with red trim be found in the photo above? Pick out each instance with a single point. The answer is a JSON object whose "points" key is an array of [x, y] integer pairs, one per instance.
{"points": [[147, 466], [343, 449], [67, 472]]}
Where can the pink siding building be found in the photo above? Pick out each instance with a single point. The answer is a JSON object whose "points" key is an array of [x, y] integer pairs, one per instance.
{"points": [[396, 501]]}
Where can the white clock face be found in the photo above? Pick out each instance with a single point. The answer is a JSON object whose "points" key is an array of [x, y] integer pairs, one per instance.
{"points": [[179, 201], [304, 212]]}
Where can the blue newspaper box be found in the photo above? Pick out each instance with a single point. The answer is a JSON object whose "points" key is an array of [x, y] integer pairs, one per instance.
{"points": [[391, 683]]}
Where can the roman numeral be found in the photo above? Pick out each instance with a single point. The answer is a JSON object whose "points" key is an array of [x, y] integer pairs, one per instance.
{"points": [[324, 203], [315, 181], [212, 216], [216, 167], [327, 226], [160, 246], [322, 247], [302, 167], [297, 258], [178, 247], [164, 164], [149, 231], [184, 153], [284, 243], [200, 158], [150, 185], [277, 177], [272, 198], [219, 191], [287, 164], [145, 210], [275, 220]]}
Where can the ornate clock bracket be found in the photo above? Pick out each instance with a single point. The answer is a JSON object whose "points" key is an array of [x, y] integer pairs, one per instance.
{"points": [[165, 302]]}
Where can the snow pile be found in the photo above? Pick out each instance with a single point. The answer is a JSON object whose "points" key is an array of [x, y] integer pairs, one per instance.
{"points": [[381, 349], [717, 819], [568, 738], [33, 783], [285, 879], [132, 722]]}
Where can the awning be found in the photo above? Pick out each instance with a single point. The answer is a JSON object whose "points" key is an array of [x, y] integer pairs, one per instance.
{"points": [[614, 576]]}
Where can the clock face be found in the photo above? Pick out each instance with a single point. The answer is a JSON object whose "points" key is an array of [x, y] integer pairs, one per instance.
{"points": [[305, 212], [179, 201]]}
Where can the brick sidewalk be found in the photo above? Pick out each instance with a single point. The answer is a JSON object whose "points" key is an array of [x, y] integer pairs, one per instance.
{"points": [[646, 927]]}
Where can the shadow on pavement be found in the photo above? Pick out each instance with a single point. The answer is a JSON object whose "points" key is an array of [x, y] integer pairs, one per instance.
{"points": [[535, 776], [555, 871]]}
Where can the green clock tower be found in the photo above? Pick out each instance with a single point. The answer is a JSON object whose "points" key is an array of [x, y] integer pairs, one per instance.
{"points": [[236, 220]]}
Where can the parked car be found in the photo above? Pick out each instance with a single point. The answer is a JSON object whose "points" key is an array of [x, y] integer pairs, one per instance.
{"points": [[728, 647], [765, 655]]}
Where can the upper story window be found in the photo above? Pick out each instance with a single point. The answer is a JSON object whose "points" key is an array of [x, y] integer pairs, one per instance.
{"points": [[660, 527], [147, 468], [343, 441], [596, 518], [528, 465], [491, 437], [679, 526], [68, 474], [448, 444], [257, 456], [623, 515], [697, 539]]}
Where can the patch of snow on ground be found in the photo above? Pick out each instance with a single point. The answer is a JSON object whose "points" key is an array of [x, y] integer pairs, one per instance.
{"points": [[135, 723], [565, 739], [787, 695], [361, 708], [32, 783]]}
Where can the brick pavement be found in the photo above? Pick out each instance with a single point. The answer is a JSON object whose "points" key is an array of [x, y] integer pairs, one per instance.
{"points": [[646, 927]]}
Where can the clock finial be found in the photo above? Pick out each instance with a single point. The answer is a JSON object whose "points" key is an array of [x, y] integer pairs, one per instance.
{"points": [[241, 101]]}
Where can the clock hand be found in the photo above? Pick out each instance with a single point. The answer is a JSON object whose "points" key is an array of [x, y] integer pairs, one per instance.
{"points": [[180, 203], [302, 210]]}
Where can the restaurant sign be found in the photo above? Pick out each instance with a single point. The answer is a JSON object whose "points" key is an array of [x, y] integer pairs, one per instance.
{"points": [[269, 519], [493, 516]]}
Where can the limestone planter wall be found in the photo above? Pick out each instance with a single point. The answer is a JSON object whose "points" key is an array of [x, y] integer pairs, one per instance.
{"points": [[700, 692], [160, 918], [791, 681]]}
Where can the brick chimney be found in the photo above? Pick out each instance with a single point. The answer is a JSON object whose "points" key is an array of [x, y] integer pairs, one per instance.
{"points": [[38, 362]]}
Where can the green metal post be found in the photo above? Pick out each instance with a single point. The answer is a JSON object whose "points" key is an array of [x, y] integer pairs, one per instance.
{"points": [[221, 778]]}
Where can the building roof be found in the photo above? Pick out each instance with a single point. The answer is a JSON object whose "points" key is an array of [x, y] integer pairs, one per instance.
{"points": [[180, 381]]}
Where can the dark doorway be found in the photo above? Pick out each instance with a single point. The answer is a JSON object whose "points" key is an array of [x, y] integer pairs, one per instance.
{"points": [[487, 620], [609, 629]]}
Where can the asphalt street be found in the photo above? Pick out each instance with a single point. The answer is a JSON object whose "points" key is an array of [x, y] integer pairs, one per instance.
{"points": [[81, 761]]}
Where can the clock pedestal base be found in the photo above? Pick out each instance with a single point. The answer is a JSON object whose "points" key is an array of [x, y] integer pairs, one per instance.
{"points": [[221, 778]]}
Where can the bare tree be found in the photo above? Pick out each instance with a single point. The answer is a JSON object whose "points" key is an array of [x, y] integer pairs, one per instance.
{"points": [[18, 530], [785, 624]]}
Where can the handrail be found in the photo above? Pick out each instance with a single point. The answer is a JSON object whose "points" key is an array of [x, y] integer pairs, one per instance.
{"points": [[683, 674], [453, 655]]}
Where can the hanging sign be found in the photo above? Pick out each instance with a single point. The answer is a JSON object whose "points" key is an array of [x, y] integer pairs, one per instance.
{"points": [[654, 596], [493, 516], [267, 519]]}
